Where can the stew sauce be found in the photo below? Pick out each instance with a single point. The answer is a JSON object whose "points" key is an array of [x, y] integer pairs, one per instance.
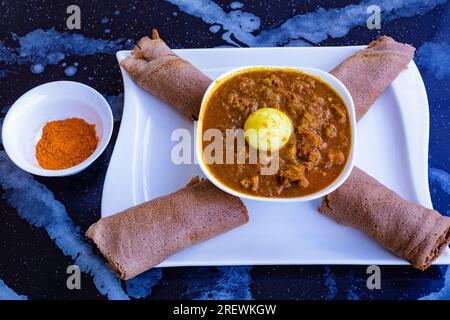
{"points": [[317, 151]]}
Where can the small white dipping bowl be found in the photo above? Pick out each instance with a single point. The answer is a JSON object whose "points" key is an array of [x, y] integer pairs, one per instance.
{"points": [[337, 85], [59, 100]]}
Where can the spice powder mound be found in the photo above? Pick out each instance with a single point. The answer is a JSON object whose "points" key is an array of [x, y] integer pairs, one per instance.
{"points": [[66, 143]]}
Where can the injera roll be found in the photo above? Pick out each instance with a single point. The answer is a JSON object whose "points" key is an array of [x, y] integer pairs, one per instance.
{"points": [[367, 73], [157, 69], [410, 231], [141, 237]]}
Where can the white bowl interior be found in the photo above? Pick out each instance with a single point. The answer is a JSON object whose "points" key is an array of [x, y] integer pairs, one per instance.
{"points": [[22, 127], [337, 85]]}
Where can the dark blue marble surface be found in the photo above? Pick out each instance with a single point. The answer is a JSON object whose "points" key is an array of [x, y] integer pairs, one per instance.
{"points": [[42, 219]]}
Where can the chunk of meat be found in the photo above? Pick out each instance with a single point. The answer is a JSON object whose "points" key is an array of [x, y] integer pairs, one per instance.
{"points": [[312, 137], [309, 121], [310, 155], [273, 99], [334, 158], [233, 101], [330, 131], [272, 81], [292, 153], [236, 102], [294, 174], [339, 113], [313, 158], [247, 85]]}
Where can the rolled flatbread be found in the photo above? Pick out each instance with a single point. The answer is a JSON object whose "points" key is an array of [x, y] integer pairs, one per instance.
{"points": [[367, 73], [141, 237], [410, 231], [157, 69]]}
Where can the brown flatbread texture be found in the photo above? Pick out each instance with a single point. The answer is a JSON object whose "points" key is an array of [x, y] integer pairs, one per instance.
{"points": [[157, 69], [410, 231], [367, 73], [141, 237]]}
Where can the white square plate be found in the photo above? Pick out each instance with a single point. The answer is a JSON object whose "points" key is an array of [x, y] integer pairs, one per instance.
{"points": [[392, 146]]}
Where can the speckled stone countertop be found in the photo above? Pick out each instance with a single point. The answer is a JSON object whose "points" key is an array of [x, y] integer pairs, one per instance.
{"points": [[42, 219]]}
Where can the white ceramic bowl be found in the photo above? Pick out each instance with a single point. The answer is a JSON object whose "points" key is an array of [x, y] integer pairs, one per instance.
{"points": [[337, 85], [59, 100]]}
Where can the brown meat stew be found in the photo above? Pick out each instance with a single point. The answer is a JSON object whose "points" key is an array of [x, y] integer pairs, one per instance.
{"points": [[318, 148]]}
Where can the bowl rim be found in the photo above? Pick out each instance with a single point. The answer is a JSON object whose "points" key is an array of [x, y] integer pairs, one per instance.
{"points": [[325, 76], [102, 144]]}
